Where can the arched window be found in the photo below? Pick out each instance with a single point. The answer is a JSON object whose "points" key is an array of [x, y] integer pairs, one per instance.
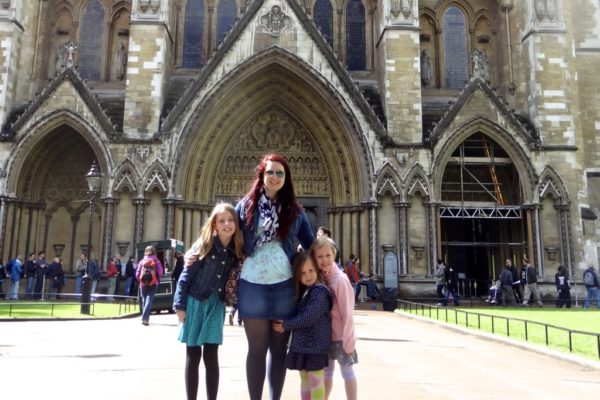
{"points": [[455, 48], [323, 17], [355, 35], [226, 14], [90, 41], [193, 34]]}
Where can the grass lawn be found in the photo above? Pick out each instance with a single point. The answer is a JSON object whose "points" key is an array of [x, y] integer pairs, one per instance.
{"points": [[494, 320], [24, 310]]}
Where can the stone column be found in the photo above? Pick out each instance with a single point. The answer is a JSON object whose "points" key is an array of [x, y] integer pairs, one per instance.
{"points": [[371, 208], [566, 242], [140, 208], [74, 222], [398, 49], [109, 204], [170, 204], [432, 212], [150, 44], [402, 243]]}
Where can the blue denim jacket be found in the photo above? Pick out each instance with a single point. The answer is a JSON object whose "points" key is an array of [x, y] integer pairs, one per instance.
{"points": [[203, 277], [299, 231]]}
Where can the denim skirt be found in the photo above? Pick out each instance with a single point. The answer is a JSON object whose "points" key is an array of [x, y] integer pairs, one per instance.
{"points": [[266, 301]]}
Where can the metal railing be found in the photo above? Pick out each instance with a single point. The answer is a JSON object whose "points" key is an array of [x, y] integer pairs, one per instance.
{"points": [[496, 322], [126, 304]]}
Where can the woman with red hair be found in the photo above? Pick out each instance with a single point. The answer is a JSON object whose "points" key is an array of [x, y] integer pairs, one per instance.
{"points": [[272, 222]]}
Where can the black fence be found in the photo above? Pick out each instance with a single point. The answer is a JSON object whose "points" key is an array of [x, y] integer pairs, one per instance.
{"points": [[499, 324]]}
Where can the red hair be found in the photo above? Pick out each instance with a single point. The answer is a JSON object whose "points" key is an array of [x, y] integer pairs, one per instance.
{"points": [[286, 197]]}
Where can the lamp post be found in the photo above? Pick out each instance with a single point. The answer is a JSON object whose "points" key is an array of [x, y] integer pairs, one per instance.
{"points": [[94, 180]]}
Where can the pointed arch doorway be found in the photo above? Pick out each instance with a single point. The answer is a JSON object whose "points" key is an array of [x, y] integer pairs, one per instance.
{"points": [[481, 219]]}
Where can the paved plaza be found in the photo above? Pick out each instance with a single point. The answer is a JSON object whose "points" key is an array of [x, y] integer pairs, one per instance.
{"points": [[400, 358]]}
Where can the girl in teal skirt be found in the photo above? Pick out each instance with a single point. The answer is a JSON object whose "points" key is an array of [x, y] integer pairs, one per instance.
{"points": [[200, 294]]}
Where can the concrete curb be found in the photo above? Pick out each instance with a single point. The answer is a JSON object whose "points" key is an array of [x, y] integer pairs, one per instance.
{"points": [[584, 362]]}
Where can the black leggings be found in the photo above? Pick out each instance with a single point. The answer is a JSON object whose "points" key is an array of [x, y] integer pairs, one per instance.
{"points": [[211, 364], [262, 338]]}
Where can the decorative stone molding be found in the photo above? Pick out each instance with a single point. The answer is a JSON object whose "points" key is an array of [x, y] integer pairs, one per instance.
{"points": [[150, 10], [418, 249], [403, 12], [5, 4], [122, 246], [141, 152], [546, 15], [551, 252], [58, 249], [275, 21]]}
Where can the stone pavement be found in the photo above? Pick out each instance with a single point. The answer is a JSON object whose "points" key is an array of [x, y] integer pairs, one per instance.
{"points": [[400, 358]]}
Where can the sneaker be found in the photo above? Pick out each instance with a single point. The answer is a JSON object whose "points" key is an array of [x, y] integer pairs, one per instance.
{"points": [[145, 323], [373, 307], [438, 304], [230, 319]]}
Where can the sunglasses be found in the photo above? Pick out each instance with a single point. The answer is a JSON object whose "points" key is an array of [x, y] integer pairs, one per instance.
{"points": [[279, 173]]}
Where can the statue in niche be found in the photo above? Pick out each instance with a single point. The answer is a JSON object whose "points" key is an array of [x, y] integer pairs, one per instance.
{"points": [[275, 21], [426, 72], [121, 61]]}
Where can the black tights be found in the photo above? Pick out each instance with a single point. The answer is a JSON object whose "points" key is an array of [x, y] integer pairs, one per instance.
{"points": [[211, 364], [262, 338]]}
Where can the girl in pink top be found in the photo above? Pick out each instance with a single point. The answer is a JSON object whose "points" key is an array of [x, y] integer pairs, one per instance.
{"points": [[343, 337]]}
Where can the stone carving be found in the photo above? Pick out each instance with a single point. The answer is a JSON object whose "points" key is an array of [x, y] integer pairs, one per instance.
{"points": [[404, 7], [142, 152], [70, 48], [481, 65], [60, 58], [426, 72], [272, 130], [5, 4], [153, 5], [546, 9], [275, 21], [121, 61]]}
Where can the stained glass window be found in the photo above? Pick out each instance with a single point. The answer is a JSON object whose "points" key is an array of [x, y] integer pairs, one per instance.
{"points": [[455, 48], [355, 35], [323, 17], [192, 34], [226, 14], [90, 40]]}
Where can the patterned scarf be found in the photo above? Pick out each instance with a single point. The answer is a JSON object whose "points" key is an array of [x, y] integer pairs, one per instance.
{"points": [[268, 211]]}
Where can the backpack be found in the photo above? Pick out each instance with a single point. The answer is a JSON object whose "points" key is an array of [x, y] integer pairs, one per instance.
{"points": [[146, 275], [9, 266], [589, 279]]}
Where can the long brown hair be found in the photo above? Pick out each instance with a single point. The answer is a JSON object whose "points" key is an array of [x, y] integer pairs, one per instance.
{"points": [[208, 231], [298, 262], [286, 197]]}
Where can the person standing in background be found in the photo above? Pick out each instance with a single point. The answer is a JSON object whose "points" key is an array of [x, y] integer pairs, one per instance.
{"points": [[41, 269], [112, 274], [80, 272], [30, 267], [440, 270], [563, 286]]}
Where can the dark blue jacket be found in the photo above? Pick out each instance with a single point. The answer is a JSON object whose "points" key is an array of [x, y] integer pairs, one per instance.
{"points": [[203, 277], [312, 324], [299, 231]]}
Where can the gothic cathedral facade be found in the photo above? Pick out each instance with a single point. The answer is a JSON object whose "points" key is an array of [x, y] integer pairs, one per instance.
{"points": [[415, 129]]}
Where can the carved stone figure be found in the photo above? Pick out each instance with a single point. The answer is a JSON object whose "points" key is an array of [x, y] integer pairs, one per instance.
{"points": [[60, 59], [426, 73], [275, 21], [540, 9], [5, 4], [70, 48], [403, 7], [121, 61], [551, 10], [481, 66]]}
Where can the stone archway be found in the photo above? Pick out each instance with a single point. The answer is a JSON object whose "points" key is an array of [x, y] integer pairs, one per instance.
{"points": [[49, 210], [275, 104]]}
